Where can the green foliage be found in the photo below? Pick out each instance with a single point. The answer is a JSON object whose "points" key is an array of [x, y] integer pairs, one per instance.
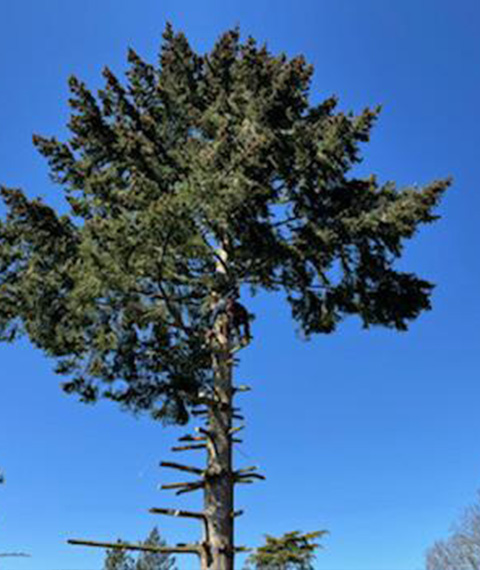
{"points": [[196, 154], [155, 560], [292, 551], [117, 559]]}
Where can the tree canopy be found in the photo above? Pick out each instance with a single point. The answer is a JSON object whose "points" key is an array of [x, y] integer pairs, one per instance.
{"points": [[292, 551], [194, 155]]}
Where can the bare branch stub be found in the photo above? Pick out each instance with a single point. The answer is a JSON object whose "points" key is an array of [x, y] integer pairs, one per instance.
{"points": [[180, 467], [178, 549], [189, 447], [204, 440], [178, 513]]}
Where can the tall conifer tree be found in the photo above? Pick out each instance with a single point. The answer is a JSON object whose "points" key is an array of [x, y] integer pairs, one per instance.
{"points": [[199, 176]]}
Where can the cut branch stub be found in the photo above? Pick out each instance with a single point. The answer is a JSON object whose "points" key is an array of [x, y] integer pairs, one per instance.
{"points": [[178, 513], [248, 476], [189, 447], [178, 549], [241, 388], [180, 467], [170, 486], [192, 438], [246, 469]]}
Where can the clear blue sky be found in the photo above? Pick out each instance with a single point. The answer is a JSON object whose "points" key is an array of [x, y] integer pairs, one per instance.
{"points": [[373, 435]]}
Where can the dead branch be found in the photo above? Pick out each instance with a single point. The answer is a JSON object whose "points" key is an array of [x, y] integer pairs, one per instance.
{"points": [[187, 447], [178, 513], [178, 549], [180, 467]]}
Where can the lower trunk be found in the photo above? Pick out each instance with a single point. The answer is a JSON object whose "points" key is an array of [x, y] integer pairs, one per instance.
{"points": [[219, 479]]}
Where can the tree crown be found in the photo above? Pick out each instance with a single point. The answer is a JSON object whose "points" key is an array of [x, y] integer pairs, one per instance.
{"points": [[200, 162]]}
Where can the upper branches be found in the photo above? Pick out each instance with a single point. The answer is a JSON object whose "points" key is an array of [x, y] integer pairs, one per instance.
{"points": [[197, 153]]}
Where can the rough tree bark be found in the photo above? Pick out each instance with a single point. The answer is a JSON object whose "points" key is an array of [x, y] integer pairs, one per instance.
{"points": [[218, 553]]}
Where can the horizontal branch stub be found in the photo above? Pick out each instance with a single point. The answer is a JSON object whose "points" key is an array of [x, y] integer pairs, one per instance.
{"points": [[183, 487], [238, 417], [238, 513], [242, 388], [192, 438], [179, 549], [188, 447], [235, 429], [237, 549], [246, 469], [242, 549], [177, 513], [190, 488], [180, 467], [242, 476], [170, 486]]}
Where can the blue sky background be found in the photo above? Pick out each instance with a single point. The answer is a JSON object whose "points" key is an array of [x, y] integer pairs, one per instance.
{"points": [[372, 435]]}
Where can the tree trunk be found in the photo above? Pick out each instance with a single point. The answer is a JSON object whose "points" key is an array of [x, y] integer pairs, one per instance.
{"points": [[218, 494], [219, 479]]}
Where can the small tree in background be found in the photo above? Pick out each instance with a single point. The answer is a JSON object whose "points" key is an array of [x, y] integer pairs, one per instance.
{"points": [[199, 178], [461, 550], [120, 559], [292, 551], [155, 560]]}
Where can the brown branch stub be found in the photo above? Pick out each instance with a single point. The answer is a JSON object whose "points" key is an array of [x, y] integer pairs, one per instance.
{"points": [[169, 486], [178, 549], [246, 469], [241, 388], [189, 447], [246, 476], [190, 488], [242, 549], [192, 438], [178, 513], [180, 467], [184, 487]]}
